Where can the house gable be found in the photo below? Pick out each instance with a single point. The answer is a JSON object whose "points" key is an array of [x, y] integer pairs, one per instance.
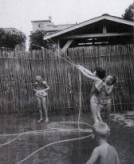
{"points": [[105, 28]]}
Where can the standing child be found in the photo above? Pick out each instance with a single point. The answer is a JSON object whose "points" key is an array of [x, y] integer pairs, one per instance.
{"points": [[106, 94], [41, 89], [98, 78], [104, 153]]}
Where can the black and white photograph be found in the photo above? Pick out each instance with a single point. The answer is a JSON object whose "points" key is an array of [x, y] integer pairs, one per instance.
{"points": [[66, 82]]}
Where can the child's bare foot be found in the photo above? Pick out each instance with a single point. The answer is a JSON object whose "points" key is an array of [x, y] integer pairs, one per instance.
{"points": [[40, 120], [47, 120]]}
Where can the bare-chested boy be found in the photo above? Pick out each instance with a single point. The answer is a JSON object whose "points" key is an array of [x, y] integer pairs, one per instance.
{"points": [[104, 153]]}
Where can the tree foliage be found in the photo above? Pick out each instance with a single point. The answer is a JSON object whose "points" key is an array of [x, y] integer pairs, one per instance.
{"points": [[36, 39], [11, 39], [129, 13]]}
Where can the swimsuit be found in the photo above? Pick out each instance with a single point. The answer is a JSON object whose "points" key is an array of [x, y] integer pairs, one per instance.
{"points": [[40, 89], [41, 93], [105, 98], [94, 94]]}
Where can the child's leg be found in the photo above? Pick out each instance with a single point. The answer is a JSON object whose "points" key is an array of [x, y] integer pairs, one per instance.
{"points": [[107, 112], [108, 109], [94, 108], [40, 108], [100, 107], [45, 108]]}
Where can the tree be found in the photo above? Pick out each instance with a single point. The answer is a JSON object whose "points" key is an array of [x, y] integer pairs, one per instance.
{"points": [[2, 37], [129, 13], [9, 39], [36, 39]]}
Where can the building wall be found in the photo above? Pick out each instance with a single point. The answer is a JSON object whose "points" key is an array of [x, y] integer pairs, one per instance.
{"points": [[41, 25], [48, 26]]}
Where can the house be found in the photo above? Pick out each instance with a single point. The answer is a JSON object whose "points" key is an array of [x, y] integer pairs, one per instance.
{"points": [[48, 26], [102, 30]]}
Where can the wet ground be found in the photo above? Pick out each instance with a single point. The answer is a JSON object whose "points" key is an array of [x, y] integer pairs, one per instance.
{"points": [[24, 140]]}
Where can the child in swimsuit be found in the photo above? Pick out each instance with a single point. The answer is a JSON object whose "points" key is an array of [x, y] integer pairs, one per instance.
{"points": [[41, 88], [97, 77], [106, 94]]}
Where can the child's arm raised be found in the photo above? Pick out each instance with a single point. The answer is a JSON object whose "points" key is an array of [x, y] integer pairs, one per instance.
{"points": [[87, 74], [94, 157], [86, 70]]}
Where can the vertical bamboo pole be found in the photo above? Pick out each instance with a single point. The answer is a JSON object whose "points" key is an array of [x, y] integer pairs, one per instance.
{"points": [[80, 100]]}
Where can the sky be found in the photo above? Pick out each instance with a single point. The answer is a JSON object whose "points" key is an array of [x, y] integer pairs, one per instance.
{"points": [[20, 13]]}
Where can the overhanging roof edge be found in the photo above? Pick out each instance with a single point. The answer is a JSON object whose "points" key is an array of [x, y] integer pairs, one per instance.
{"points": [[103, 17]]}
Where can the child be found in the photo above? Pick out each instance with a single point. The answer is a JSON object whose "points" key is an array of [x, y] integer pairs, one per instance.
{"points": [[41, 89], [97, 77], [104, 153], [106, 93]]}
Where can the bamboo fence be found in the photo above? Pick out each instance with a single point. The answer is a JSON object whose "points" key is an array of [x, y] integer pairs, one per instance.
{"points": [[18, 71]]}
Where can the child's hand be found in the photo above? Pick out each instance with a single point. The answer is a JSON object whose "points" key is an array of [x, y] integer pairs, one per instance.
{"points": [[104, 84], [44, 82], [78, 66]]}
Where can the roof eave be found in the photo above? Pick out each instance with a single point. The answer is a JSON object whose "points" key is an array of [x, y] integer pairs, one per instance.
{"points": [[103, 17]]}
